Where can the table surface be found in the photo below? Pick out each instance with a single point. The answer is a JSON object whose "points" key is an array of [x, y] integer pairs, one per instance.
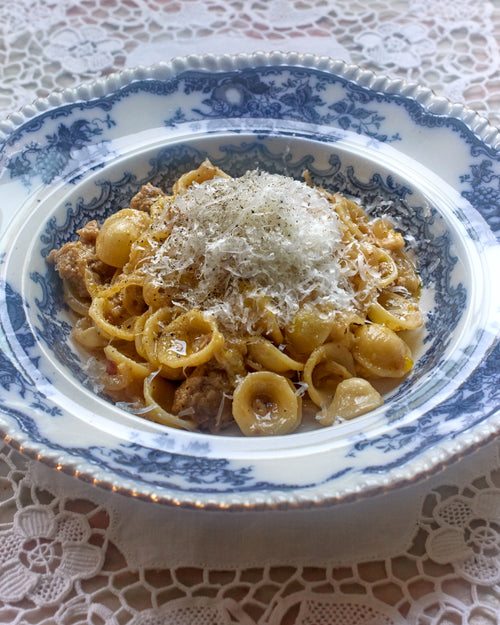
{"points": [[427, 554]]}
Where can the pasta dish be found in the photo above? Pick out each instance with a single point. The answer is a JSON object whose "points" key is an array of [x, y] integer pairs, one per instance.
{"points": [[243, 300]]}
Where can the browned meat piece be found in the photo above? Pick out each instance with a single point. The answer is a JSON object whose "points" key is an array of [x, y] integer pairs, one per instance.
{"points": [[203, 393], [88, 234], [146, 197], [74, 257], [68, 262]]}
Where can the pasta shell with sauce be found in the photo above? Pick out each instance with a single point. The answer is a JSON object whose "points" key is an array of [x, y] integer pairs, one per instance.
{"points": [[126, 371], [308, 330], [396, 312], [206, 171], [88, 334], [265, 354], [325, 368], [148, 327], [381, 352], [191, 339], [265, 404], [109, 314], [127, 366], [381, 262], [99, 310], [118, 233], [386, 236], [353, 397], [158, 397]]}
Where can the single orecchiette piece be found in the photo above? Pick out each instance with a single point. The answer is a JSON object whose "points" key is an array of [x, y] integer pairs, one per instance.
{"points": [[382, 262], [408, 277], [266, 355], [265, 404], [353, 397], [308, 330], [267, 323], [124, 373], [109, 313], [191, 339], [231, 358], [386, 236], [396, 312], [101, 309], [132, 370], [155, 294], [117, 234], [206, 171], [381, 352], [159, 396], [148, 328], [325, 368]]}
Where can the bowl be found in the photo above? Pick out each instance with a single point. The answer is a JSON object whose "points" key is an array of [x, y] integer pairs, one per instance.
{"points": [[81, 154]]}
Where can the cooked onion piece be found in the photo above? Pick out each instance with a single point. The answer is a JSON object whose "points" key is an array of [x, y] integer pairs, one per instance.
{"points": [[265, 404], [88, 334]]}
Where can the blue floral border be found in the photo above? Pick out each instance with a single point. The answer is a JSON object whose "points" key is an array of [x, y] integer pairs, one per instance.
{"points": [[293, 93]]}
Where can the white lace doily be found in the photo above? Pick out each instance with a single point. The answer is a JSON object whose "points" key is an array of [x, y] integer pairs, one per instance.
{"points": [[426, 555], [429, 554], [450, 45]]}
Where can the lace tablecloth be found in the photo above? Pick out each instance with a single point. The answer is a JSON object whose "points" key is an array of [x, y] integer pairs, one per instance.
{"points": [[427, 554]]}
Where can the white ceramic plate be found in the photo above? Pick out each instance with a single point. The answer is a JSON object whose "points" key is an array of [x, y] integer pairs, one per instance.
{"points": [[81, 154]]}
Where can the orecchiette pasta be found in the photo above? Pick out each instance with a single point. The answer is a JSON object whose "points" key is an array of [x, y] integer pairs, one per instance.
{"points": [[189, 340], [246, 301], [265, 403], [264, 354], [117, 234], [325, 368], [381, 352], [353, 397]]}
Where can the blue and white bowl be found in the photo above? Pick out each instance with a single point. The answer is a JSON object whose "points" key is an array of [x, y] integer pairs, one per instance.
{"points": [[82, 154]]}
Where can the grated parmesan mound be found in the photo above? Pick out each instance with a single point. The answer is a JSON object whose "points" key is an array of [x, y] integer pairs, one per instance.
{"points": [[234, 240]]}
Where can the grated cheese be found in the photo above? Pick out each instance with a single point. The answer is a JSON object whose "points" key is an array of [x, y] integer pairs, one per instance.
{"points": [[259, 236]]}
